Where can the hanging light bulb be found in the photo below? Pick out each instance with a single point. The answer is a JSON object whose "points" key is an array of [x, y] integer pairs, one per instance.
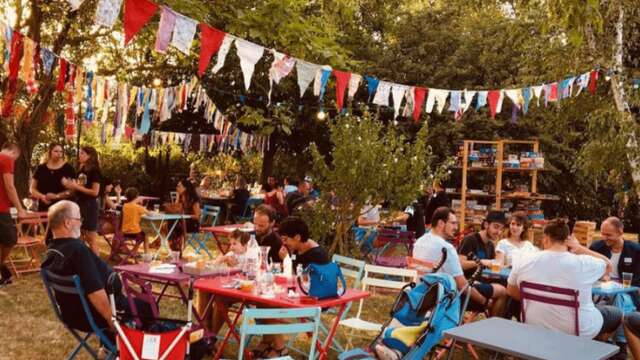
{"points": [[157, 82], [321, 115]]}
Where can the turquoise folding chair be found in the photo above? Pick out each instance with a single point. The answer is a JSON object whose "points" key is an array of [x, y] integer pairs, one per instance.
{"points": [[247, 212], [208, 217], [310, 324], [56, 284]]}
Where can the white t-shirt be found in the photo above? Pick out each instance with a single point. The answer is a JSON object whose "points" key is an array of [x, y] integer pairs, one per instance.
{"points": [[508, 249], [566, 270], [615, 259], [371, 213], [429, 248]]}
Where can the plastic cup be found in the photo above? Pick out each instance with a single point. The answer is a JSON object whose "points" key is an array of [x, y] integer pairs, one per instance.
{"points": [[495, 266], [156, 208], [626, 279]]}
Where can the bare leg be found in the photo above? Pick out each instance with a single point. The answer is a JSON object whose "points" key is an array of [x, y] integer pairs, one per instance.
{"points": [[633, 342]]}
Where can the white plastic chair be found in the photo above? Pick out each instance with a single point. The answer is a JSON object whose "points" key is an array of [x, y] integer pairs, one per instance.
{"points": [[377, 277]]}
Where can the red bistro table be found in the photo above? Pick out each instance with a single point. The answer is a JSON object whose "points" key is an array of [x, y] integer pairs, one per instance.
{"points": [[215, 287], [175, 279], [224, 231]]}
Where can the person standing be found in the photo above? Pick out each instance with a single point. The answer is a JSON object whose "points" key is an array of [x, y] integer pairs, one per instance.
{"points": [[46, 184], [87, 189], [8, 196]]}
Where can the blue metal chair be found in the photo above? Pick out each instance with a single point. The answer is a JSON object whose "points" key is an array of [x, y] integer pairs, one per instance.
{"points": [[71, 285], [250, 315], [247, 213], [208, 217]]}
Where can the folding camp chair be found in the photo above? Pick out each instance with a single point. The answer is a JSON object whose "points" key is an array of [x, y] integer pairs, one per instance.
{"points": [[247, 212], [248, 328], [31, 233], [55, 284], [198, 240]]}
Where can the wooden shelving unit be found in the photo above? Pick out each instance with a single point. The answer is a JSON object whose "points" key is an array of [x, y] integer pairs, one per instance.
{"points": [[499, 170]]}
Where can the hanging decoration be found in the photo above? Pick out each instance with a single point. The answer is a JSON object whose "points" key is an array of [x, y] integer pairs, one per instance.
{"points": [[136, 14], [249, 54], [107, 12], [210, 42]]}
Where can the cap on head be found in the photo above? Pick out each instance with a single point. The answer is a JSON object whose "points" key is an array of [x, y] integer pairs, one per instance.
{"points": [[496, 217]]}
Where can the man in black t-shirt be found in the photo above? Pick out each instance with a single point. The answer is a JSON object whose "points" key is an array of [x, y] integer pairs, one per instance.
{"points": [[263, 221], [294, 233], [68, 255]]}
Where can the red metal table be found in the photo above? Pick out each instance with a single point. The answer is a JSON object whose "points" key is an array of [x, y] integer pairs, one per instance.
{"points": [[224, 231], [215, 287]]}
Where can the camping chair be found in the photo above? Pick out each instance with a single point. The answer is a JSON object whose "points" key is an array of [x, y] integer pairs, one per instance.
{"points": [[377, 277], [247, 212], [208, 218], [391, 238], [535, 292], [71, 285], [125, 246], [30, 232], [310, 320]]}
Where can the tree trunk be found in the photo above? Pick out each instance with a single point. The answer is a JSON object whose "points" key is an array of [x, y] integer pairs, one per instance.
{"points": [[267, 161]]}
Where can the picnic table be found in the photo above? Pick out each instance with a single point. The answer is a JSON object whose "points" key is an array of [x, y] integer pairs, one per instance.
{"points": [[217, 287], [224, 231], [166, 277], [528, 341]]}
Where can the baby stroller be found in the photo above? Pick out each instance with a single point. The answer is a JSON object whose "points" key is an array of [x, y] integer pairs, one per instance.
{"points": [[419, 316], [161, 339]]}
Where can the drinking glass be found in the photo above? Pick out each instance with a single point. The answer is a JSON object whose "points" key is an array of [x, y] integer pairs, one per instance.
{"points": [[156, 208], [495, 266], [28, 203], [626, 279]]}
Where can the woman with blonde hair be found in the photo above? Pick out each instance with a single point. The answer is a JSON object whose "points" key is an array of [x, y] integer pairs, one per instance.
{"points": [[46, 184]]}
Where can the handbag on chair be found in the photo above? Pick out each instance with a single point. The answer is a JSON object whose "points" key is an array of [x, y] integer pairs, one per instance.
{"points": [[323, 280]]}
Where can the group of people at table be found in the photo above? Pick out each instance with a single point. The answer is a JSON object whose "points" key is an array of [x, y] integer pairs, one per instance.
{"points": [[562, 262]]}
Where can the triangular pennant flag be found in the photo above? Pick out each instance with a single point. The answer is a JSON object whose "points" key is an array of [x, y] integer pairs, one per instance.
{"points": [[62, 74], [481, 101], [494, 99], [397, 92], [382, 93], [454, 100], [581, 82], [468, 99], [354, 83], [281, 66], [183, 33], [515, 95], [88, 113], [136, 14], [342, 81], [550, 93], [306, 73], [438, 96], [322, 78], [372, 85], [222, 53], [526, 96], [593, 79], [107, 12], [419, 94], [249, 54], [537, 91], [75, 4], [409, 97], [565, 87], [14, 69], [47, 60], [165, 29]]}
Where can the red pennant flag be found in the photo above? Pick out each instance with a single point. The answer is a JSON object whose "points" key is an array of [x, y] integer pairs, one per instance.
{"points": [[418, 99], [210, 42], [593, 79], [14, 69], [493, 97], [552, 94], [342, 80], [136, 14], [62, 75]]}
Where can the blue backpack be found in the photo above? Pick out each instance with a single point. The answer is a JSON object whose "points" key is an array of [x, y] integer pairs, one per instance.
{"points": [[324, 280]]}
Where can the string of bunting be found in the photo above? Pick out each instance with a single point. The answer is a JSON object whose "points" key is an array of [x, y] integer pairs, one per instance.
{"points": [[231, 139], [23, 58], [178, 30]]}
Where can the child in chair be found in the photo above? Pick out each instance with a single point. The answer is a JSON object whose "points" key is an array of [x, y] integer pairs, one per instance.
{"points": [[132, 213]]}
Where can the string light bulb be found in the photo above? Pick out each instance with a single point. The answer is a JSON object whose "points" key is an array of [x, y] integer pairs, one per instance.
{"points": [[157, 82], [321, 115]]}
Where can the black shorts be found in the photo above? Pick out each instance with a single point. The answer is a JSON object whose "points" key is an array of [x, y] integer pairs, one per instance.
{"points": [[8, 234], [632, 321], [611, 318], [486, 290], [89, 212]]}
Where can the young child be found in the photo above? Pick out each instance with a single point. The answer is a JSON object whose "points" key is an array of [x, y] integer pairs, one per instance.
{"points": [[237, 249], [132, 213]]}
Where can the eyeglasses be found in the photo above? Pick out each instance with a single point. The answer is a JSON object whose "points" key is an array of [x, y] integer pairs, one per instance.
{"points": [[77, 218]]}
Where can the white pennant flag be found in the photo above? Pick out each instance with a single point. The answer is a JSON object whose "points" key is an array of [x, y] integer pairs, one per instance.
{"points": [[249, 54], [410, 101], [183, 33], [281, 66], [75, 4], [222, 53], [515, 95], [382, 93], [537, 91], [317, 84], [306, 73], [107, 12], [397, 92], [354, 83], [468, 98], [436, 95]]}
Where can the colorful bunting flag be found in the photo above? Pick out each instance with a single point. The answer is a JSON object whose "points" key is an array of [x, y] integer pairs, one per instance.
{"points": [[107, 12], [222, 53], [281, 66], [382, 93], [593, 79], [249, 54], [210, 42], [438, 96], [418, 99], [75, 4], [372, 85], [354, 83], [306, 73], [136, 14], [526, 96], [14, 68], [482, 99], [494, 99], [321, 80], [165, 29], [397, 93], [342, 81], [468, 99], [183, 33]]}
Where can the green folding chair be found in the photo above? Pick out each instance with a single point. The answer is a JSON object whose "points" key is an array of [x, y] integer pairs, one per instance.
{"points": [[310, 324]]}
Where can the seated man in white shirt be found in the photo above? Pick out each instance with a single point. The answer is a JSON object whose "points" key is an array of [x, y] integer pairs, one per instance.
{"points": [[369, 215], [428, 248], [567, 264]]}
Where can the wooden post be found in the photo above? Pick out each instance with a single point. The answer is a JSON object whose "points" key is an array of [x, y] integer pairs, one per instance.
{"points": [[463, 196], [500, 160]]}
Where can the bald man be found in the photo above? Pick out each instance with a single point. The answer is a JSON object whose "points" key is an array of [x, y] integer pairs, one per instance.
{"points": [[624, 254]]}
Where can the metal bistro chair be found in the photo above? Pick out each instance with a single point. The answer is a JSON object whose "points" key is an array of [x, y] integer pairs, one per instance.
{"points": [[392, 238], [536, 292], [309, 320], [55, 284], [247, 213], [208, 218]]}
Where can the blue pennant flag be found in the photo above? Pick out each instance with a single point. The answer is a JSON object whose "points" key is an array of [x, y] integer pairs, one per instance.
{"points": [[372, 85], [88, 114], [526, 94], [326, 73]]}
